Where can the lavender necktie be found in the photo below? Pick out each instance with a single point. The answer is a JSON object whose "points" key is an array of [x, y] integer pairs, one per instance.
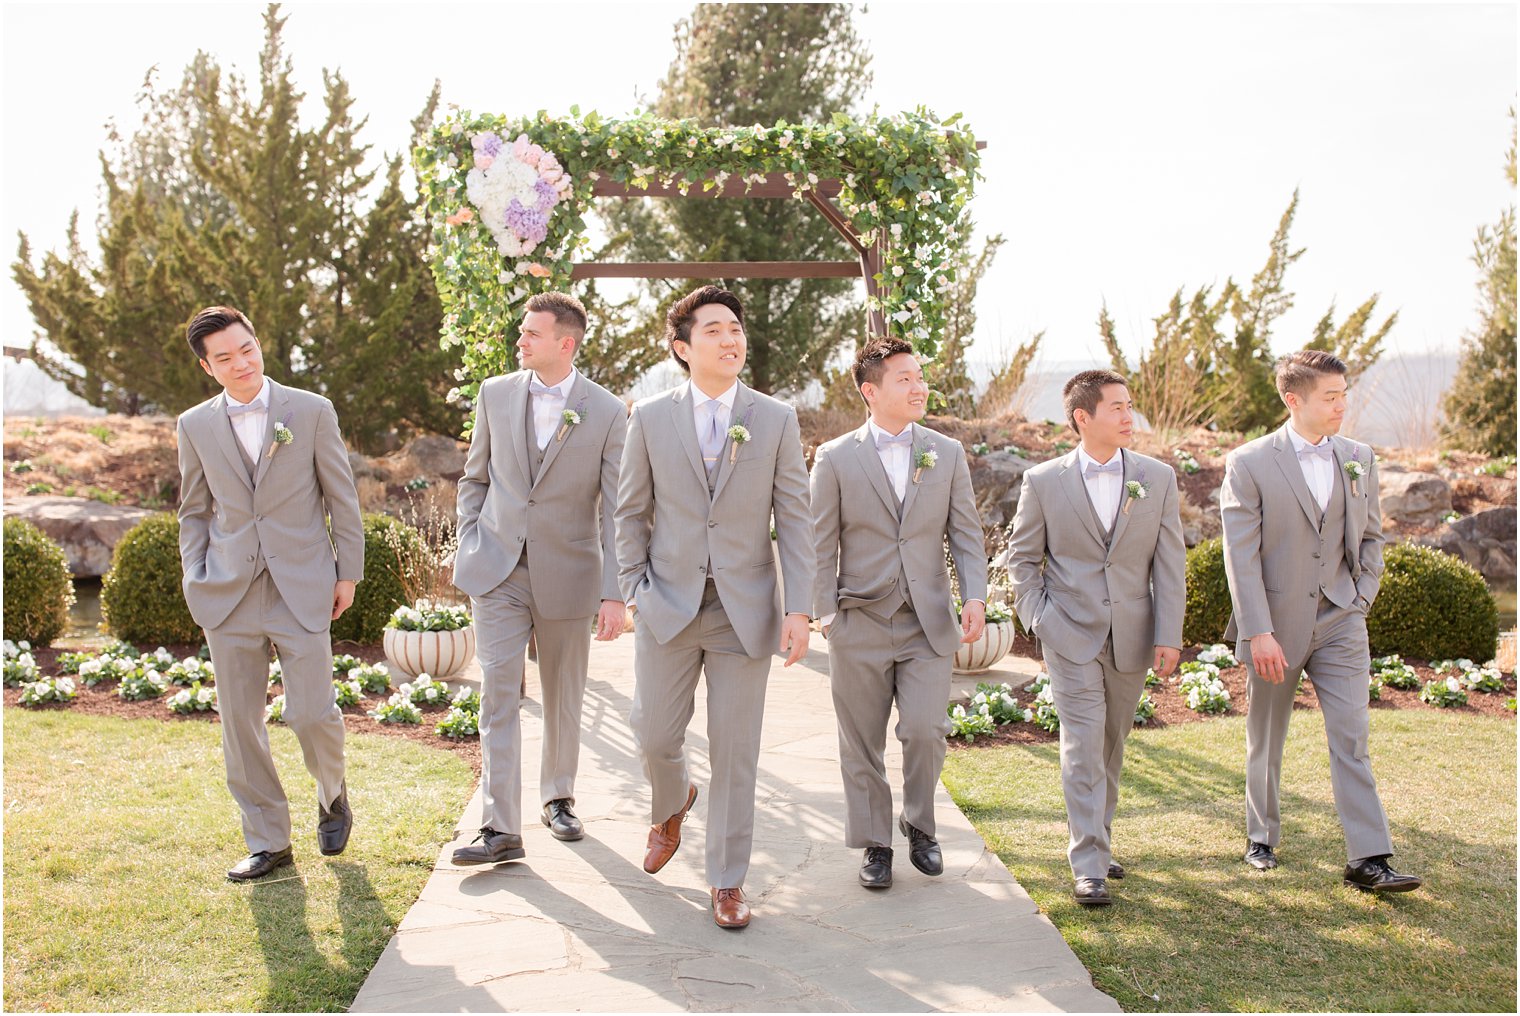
{"points": [[712, 436]]}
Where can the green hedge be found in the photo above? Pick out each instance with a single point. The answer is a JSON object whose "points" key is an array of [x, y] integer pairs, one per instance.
{"points": [[1208, 595], [381, 591], [38, 590], [1432, 606], [141, 597]]}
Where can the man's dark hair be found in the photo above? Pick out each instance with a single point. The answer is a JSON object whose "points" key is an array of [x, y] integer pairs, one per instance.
{"points": [[871, 359], [209, 322], [1299, 372], [569, 313], [1085, 390], [678, 322]]}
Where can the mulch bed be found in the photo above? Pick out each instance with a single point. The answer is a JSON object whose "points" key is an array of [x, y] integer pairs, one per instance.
{"points": [[1171, 707], [102, 700]]}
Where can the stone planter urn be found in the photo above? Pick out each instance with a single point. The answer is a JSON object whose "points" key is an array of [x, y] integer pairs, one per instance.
{"points": [[979, 656], [438, 654]]}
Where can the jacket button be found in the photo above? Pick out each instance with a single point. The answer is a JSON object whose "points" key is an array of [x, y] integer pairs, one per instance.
{"points": [[258, 518], [1316, 555], [1106, 603], [250, 557], [712, 525], [902, 543], [532, 503]]}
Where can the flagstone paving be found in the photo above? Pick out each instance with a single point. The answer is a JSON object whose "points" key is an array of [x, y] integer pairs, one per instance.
{"points": [[581, 927]]}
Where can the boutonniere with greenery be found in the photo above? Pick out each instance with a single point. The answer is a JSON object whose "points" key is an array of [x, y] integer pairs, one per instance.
{"points": [[1356, 471], [1135, 490], [282, 435], [738, 434], [572, 418], [924, 458]]}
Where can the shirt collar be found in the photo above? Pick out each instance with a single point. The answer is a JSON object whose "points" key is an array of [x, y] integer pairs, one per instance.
{"points": [[262, 398], [563, 388], [699, 397], [1300, 442], [879, 432], [1083, 458]]}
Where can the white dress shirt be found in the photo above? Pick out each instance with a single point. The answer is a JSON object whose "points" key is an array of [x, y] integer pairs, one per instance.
{"points": [[549, 410], [699, 408], [251, 427], [1105, 490], [1319, 473], [895, 459]]}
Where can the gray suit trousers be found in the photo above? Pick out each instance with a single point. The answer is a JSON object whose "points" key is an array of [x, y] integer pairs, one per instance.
{"points": [[1338, 666], [240, 657], [873, 661], [664, 698], [1096, 702], [504, 619]]}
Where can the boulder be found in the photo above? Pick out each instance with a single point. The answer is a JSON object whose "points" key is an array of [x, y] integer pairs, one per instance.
{"points": [[86, 530], [996, 478], [434, 456], [1485, 540], [1413, 498]]}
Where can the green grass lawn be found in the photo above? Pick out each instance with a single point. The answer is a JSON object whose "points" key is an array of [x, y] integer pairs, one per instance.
{"points": [[1197, 927], [118, 834]]}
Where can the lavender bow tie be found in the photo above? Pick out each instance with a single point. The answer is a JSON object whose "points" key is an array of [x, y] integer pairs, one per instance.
{"points": [[537, 389], [903, 440], [236, 409], [1115, 466], [1319, 451]]}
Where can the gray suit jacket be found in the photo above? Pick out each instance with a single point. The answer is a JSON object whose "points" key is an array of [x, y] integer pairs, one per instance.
{"points": [[226, 521], [1272, 539], [863, 548], [1073, 591], [563, 519], [668, 528]]}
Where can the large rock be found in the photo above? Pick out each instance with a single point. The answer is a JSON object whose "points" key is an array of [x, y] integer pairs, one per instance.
{"points": [[434, 456], [1485, 540], [996, 478], [87, 530], [1413, 498]]}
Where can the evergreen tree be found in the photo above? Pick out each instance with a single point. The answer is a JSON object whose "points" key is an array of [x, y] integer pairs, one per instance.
{"points": [[1480, 407]]}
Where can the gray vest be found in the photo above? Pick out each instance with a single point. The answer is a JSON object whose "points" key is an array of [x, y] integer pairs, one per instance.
{"points": [[252, 468], [1335, 582], [535, 457], [898, 597]]}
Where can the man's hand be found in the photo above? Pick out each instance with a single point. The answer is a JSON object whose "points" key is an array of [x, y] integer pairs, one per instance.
{"points": [[343, 597], [1268, 659], [1166, 660], [794, 637], [609, 620], [973, 620]]}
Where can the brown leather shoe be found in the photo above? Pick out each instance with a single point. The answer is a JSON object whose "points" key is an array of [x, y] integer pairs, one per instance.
{"points": [[666, 837], [729, 908]]}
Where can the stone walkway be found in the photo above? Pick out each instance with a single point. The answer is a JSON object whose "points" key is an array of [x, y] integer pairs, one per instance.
{"points": [[580, 926]]}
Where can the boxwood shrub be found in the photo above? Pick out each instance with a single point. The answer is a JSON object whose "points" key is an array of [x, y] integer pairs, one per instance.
{"points": [[38, 589], [141, 597], [381, 591], [1207, 611], [1432, 606]]}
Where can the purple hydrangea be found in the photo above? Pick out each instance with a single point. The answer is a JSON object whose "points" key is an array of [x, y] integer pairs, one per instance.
{"points": [[528, 224], [487, 143], [547, 196]]}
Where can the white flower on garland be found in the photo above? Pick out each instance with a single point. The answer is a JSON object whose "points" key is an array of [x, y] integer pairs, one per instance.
{"points": [[516, 188]]}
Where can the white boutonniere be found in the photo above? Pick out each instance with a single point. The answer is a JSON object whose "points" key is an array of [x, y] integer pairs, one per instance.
{"points": [[924, 459], [738, 434], [1134, 491], [282, 435], [1356, 471], [570, 418]]}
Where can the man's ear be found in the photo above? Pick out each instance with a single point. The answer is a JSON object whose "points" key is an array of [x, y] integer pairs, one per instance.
{"points": [[207, 368], [867, 392], [1080, 418]]}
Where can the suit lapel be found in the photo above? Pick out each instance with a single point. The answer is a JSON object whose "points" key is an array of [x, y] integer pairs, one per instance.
{"points": [[221, 430], [1076, 494], [922, 442], [517, 420], [1287, 461], [686, 428], [1132, 471], [870, 463], [279, 405], [1344, 453], [555, 443], [743, 413]]}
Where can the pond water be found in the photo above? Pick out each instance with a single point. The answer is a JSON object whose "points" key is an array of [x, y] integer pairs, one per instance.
{"points": [[84, 631]]}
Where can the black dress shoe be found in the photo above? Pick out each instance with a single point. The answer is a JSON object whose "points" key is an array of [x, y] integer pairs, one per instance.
{"points": [[1115, 869], [334, 823], [1372, 875], [1260, 856], [923, 849], [876, 871], [259, 864], [1091, 892], [494, 848], [561, 820]]}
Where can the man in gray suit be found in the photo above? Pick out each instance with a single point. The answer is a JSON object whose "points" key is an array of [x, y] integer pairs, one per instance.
{"points": [[1303, 551], [1097, 563], [883, 599], [263, 471], [707, 467], [536, 557]]}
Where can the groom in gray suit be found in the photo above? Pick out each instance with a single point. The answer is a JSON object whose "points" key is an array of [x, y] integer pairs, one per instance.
{"points": [[1303, 551], [263, 472], [1097, 563], [883, 599], [707, 467], [536, 557]]}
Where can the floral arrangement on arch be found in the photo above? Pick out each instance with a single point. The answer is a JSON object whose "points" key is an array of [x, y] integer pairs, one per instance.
{"points": [[509, 217]]}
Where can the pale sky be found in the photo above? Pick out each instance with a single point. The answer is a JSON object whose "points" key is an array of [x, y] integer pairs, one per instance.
{"points": [[1131, 149]]}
